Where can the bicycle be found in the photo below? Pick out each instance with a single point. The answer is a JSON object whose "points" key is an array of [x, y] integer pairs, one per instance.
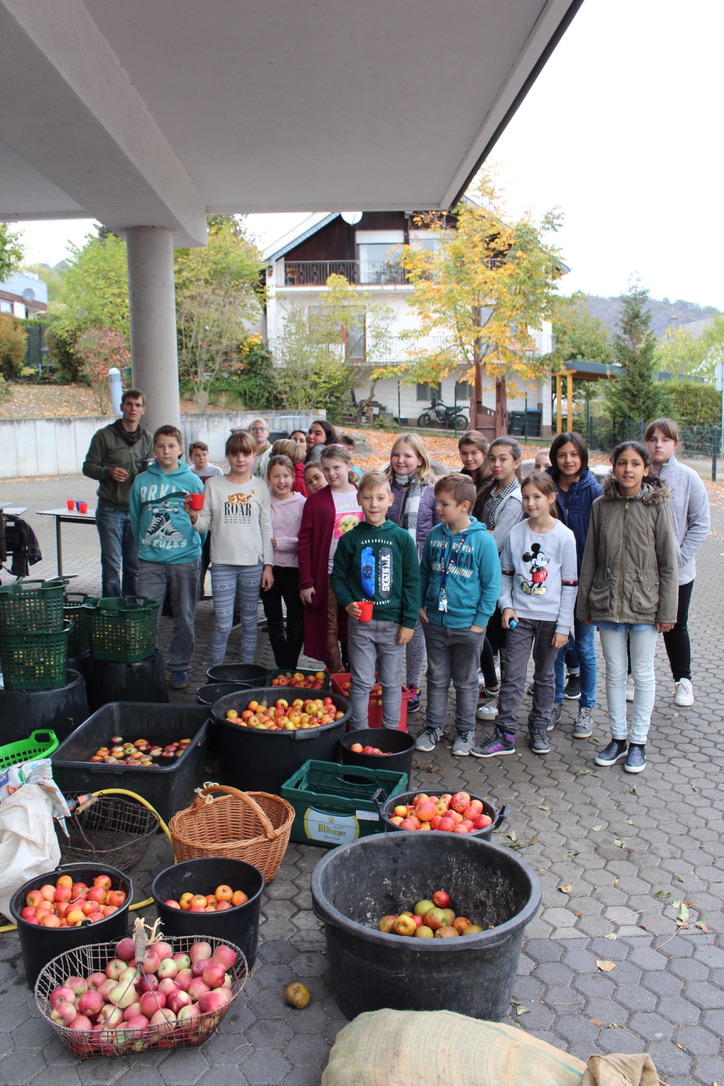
{"points": [[438, 414]]}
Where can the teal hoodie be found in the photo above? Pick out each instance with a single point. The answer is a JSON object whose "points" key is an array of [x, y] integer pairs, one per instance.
{"points": [[472, 583], [161, 525]]}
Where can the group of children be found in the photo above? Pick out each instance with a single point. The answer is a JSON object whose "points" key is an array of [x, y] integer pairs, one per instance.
{"points": [[473, 566]]}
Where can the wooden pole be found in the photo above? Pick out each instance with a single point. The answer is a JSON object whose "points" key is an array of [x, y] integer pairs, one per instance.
{"points": [[569, 390], [559, 411]]}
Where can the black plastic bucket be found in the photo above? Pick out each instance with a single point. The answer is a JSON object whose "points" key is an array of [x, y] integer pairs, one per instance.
{"points": [[497, 817], [397, 748], [207, 695], [39, 945], [61, 710], [354, 885], [239, 925], [111, 680], [261, 761], [239, 674]]}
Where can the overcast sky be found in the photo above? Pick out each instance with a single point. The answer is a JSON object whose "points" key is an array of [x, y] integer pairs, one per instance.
{"points": [[622, 132]]}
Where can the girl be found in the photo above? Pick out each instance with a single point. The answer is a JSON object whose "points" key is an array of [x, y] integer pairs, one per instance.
{"points": [[577, 489], [292, 449], [199, 457], [499, 507], [259, 430], [301, 439], [328, 513], [320, 433], [237, 511], [539, 578], [473, 449], [286, 516], [628, 588], [313, 477], [415, 509]]}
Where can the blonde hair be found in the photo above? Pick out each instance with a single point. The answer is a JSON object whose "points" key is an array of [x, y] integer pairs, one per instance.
{"points": [[371, 479], [286, 447], [423, 473]]}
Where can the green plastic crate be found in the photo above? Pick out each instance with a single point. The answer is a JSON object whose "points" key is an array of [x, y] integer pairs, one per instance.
{"points": [[324, 688], [30, 606], [35, 660], [75, 612], [335, 803], [40, 744], [122, 629]]}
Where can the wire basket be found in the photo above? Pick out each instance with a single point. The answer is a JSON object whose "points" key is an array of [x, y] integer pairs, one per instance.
{"points": [[122, 1041], [122, 629], [110, 829], [75, 612], [34, 660], [249, 826], [32, 606]]}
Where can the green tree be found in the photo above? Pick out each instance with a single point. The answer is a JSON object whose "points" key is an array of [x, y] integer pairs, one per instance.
{"points": [[695, 403], [13, 343], [680, 353], [93, 289], [11, 251], [635, 394], [481, 291], [579, 335], [325, 352], [100, 349]]}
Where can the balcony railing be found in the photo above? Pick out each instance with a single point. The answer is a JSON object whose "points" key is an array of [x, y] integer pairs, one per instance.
{"points": [[315, 273]]}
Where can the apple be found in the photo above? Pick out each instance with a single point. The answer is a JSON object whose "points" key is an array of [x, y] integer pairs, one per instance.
{"points": [[114, 968], [63, 994], [183, 979], [446, 932], [387, 923], [151, 961], [404, 925], [200, 950], [423, 932], [182, 960], [167, 987], [150, 1002], [122, 995], [90, 1003], [197, 988], [63, 1013], [435, 918], [441, 898], [80, 1022], [214, 1000], [167, 969], [225, 955], [178, 1000], [214, 974]]}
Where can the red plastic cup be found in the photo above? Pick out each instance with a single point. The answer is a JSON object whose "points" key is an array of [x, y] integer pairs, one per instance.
{"points": [[197, 501], [365, 608], [82, 507], [70, 503]]}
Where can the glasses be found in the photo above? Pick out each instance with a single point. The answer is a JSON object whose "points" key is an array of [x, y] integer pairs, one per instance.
{"points": [[258, 429]]}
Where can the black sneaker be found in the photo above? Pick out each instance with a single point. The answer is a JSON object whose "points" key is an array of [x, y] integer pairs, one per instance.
{"points": [[573, 687], [614, 752], [503, 743], [635, 759], [539, 741]]}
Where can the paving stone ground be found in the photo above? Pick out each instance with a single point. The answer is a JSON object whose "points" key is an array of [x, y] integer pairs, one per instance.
{"points": [[614, 854]]}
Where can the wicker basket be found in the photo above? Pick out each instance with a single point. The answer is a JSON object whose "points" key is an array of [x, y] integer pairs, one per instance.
{"points": [[93, 958], [250, 826], [112, 829], [122, 629]]}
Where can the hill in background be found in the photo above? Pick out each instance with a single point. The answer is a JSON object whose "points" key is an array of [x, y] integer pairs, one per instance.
{"points": [[662, 312]]}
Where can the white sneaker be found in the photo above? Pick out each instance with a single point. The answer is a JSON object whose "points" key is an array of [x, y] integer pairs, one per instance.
{"points": [[684, 693], [488, 710], [630, 689]]}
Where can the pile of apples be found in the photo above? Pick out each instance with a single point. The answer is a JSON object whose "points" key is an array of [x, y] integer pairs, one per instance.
{"points": [[67, 904], [430, 918], [357, 748], [285, 717], [222, 898], [295, 678], [375, 694], [450, 813], [138, 752], [167, 999]]}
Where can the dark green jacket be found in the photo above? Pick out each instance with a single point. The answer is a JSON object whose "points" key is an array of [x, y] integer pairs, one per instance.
{"points": [[109, 450], [379, 563]]}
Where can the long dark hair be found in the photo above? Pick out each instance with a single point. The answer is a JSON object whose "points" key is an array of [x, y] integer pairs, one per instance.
{"points": [[641, 451], [558, 443], [487, 488], [481, 475]]}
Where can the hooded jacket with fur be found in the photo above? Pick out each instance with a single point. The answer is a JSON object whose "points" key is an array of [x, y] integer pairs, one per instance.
{"points": [[629, 571]]}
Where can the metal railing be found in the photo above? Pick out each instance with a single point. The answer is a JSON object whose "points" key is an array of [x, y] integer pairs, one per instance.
{"points": [[315, 273]]}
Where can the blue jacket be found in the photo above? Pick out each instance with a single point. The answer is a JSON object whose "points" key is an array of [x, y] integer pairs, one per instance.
{"points": [[160, 523], [574, 507], [472, 585]]}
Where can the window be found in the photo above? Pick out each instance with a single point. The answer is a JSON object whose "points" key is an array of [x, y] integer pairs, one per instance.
{"points": [[378, 261], [350, 334], [463, 391], [426, 391]]}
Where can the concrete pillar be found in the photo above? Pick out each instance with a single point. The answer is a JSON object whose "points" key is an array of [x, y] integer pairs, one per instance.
{"points": [[152, 305]]}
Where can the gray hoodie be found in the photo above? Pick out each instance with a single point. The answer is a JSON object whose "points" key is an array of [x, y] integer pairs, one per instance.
{"points": [[690, 512]]}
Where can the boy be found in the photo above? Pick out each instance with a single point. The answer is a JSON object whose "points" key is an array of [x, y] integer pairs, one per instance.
{"points": [[377, 560], [460, 583], [199, 457], [349, 443], [168, 547]]}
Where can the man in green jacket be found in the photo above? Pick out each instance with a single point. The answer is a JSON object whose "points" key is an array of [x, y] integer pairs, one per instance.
{"points": [[114, 460]]}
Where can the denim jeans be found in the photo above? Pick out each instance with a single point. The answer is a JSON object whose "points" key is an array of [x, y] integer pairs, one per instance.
{"points": [[224, 583], [535, 634], [452, 654], [643, 646], [585, 643], [118, 551], [182, 582], [373, 648]]}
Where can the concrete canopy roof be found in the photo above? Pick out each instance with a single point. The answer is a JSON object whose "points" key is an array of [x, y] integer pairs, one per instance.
{"points": [[159, 112]]}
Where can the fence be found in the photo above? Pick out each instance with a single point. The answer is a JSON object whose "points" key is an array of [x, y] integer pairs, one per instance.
{"points": [[602, 434]]}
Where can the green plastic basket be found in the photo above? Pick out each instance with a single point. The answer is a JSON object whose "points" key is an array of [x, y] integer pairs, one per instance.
{"points": [[40, 744], [75, 612], [122, 629], [35, 660], [30, 606]]}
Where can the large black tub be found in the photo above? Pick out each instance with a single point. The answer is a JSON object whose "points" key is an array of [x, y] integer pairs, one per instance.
{"points": [[61, 709], [355, 885], [261, 761]]}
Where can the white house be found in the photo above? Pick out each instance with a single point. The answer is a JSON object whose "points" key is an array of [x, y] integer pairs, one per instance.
{"points": [[23, 295], [360, 247]]}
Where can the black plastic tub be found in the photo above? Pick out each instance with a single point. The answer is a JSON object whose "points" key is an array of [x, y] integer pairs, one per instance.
{"points": [[497, 817], [211, 692], [261, 761], [355, 885], [239, 674], [397, 748], [40, 945], [168, 788], [112, 680], [61, 709], [239, 925]]}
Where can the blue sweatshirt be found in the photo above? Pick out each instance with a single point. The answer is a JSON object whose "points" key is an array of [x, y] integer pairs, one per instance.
{"points": [[160, 523], [574, 507], [464, 570]]}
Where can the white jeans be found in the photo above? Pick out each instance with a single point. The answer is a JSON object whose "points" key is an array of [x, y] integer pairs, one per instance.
{"points": [[643, 645]]}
